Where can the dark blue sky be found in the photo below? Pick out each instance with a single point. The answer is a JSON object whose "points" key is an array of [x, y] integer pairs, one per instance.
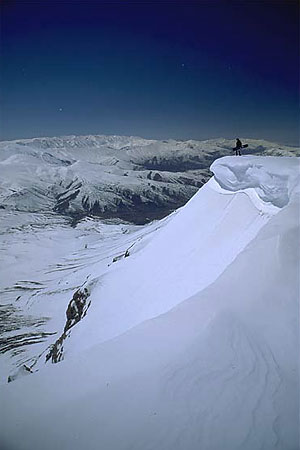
{"points": [[156, 69]]}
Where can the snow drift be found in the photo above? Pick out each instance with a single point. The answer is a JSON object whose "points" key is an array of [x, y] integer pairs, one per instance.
{"points": [[190, 342]]}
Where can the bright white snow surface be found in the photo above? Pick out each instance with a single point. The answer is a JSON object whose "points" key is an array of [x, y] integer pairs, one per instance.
{"points": [[192, 342]]}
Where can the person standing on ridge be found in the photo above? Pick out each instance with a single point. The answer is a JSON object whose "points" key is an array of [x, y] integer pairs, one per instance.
{"points": [[238, 147]]}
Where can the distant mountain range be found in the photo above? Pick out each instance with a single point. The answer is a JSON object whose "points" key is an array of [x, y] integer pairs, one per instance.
{"points": [[130, 178]]}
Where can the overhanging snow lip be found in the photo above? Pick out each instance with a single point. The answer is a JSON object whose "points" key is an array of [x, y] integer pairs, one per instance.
{"points": [[267, 180]]}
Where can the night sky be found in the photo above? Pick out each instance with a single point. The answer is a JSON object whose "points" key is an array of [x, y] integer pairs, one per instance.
{"points": [[164, 69]]}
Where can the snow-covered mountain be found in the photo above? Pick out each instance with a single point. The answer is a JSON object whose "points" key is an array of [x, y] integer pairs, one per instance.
{"points": [[181, 334], [110, 176]]}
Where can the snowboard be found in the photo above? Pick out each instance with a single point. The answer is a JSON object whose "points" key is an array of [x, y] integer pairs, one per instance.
{"points": [[243, 146]]}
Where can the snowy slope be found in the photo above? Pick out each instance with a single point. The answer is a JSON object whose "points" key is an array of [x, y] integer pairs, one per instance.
{"points": [[110, 176], [44, 262], [190, 342]]}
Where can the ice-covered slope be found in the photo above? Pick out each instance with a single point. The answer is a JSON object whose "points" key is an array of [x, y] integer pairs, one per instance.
{"points": [[110, 176], [190, 342]]}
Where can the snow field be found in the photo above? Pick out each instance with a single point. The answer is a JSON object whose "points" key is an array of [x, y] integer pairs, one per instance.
{"points": [[192, 342]]}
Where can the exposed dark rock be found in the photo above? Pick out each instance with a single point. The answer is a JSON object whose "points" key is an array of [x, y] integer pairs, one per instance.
{"points": [[11, 320], [76, 310], [56, 161], [22, 370], [9, 343], [64, 204], [177, 164], [157, 177]]}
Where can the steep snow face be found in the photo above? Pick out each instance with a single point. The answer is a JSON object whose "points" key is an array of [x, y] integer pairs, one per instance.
{"points": [[192, 340], [192, 250], [109, 176]]}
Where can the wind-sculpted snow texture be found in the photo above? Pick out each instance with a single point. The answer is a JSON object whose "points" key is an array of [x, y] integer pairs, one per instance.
{"points": [[272, 187], [110, 176], [191, 337]]}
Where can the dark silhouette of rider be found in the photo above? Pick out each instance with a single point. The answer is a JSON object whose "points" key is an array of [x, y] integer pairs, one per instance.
{"points": [[238, 147]]}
